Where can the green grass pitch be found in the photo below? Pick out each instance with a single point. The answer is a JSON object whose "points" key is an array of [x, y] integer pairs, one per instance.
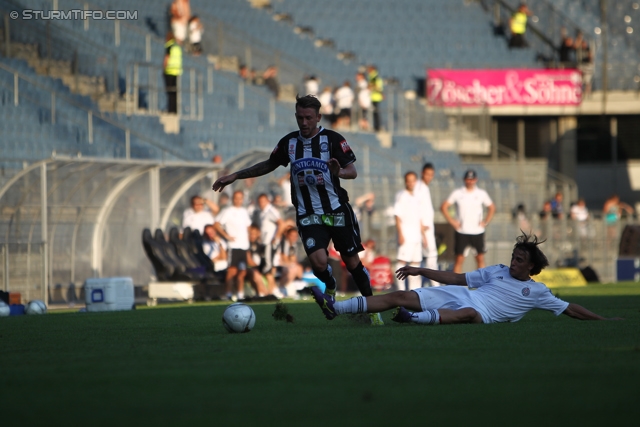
{"points": [[175, 365]]}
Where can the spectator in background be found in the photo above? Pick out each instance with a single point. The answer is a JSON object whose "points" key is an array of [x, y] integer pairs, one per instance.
{"points": [[376, 87], [243, 73], [408, 210], [326, 100], [364, 100], [369, 254], [195, 35], [200, 214], [546, 211], [518, 27], [557, 210], [344, 103], [172, 67], [566, 51], [288, 257], [270, 222], [312, 86], [519, 214], [430, 250], [584, 59], [216, 249], [580, 215], [256, 263], [470, 223], [233, 224], [613, 210], [270, 77], [180, 15]]}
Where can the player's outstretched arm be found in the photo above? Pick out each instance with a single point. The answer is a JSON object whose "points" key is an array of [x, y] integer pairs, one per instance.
{"points": [[579, 312], [448, 277], [258, 169]]}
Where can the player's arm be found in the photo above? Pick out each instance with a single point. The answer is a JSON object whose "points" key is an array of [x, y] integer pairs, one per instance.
{"points": [[221, 231], [491, 210], [579, 312], [258, 169], [347, 172], [445, 211], [448, 277]]}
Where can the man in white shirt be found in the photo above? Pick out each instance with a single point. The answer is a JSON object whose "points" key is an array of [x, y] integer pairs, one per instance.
{"points": [[344, 98], [470, 223], [198, 216], [501, 294], [430, 251], [233, 224], [408, 213], [269, 222]]}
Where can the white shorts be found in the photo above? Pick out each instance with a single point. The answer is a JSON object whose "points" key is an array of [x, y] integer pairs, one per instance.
{"points": [[450, 297], [410, 252]]}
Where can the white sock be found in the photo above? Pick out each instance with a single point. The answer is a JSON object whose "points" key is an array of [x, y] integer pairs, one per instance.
{"points": [[415, 282], [429, 317], [401, 284], [352, 305]]}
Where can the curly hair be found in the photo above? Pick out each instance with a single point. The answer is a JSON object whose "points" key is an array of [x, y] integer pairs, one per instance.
{"points": [[529, 243], [308, 101]]}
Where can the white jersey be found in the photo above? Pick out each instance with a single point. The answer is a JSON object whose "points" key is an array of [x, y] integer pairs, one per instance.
{"points": [[501, 298], [236, 222], [268, 223], [423, 192], [197, 220], [470, 208], [407, 208], [344, 98]]}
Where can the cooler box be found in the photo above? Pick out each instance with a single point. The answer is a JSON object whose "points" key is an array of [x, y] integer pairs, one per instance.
{"points": [[109, 294]]}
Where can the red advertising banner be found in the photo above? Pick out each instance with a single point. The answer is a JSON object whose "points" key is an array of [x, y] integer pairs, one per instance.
{"points": [[470, 88]]}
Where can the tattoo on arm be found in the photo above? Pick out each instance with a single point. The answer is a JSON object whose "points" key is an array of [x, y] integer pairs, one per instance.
{"points": [[258, 169]]}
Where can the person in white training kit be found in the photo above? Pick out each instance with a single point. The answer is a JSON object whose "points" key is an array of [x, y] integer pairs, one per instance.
{"points": [[408, 212], [501, 294], [470, 223], [233, 224], [430, 250]]}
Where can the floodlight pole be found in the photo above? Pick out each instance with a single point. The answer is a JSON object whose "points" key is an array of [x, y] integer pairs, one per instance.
{"points": [[44, 232]]}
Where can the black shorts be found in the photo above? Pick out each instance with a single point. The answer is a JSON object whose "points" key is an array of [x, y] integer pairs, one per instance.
{"points": [[341, 226], [238, 258], [345, 112], [476, 241]]}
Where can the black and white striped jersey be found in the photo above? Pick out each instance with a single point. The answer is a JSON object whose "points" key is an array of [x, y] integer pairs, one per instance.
{"points": [[314, 190]]}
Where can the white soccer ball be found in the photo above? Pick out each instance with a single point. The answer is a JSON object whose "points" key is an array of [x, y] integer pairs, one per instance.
{"points": [[5, 310], [35, 307], [239, 317]]}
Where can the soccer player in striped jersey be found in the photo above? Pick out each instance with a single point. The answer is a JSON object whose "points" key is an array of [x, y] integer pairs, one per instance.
{"points": [[319, 158]]}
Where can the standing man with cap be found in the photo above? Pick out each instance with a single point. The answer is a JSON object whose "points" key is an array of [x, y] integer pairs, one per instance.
{"points": [[470, 223]]}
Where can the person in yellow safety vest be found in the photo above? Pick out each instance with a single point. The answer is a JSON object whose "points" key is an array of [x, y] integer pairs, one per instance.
{"points": [[172, 69], [518, 27], [376, 86]]}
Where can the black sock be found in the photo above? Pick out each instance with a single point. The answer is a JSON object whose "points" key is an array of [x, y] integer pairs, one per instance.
{"points": [[361, 277], [327, 278]]}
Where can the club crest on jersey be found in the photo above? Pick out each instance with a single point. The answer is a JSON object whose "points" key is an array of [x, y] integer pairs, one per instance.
{"points": [[310, 242], [324, 147], [345, 146], [526, 291]]}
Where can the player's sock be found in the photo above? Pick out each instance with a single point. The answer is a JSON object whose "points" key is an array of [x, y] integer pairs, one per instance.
{"points": [[327, 278], [428, 317], [363, 281], [352, 305]]}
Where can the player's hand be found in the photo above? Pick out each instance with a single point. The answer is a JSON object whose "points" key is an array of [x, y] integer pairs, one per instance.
{"points": [[404, 272], [223, 181], [334, 166], [456, 224]]}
